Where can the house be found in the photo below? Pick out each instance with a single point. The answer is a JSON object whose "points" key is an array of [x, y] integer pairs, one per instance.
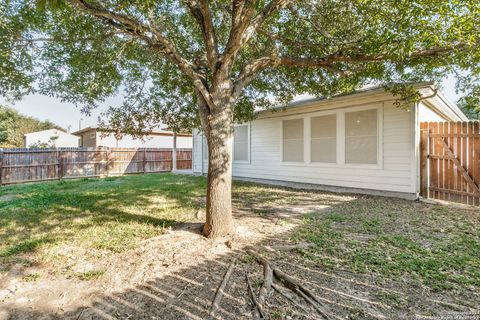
{"points": [[361, 143], [50, 138], [93, 137]]}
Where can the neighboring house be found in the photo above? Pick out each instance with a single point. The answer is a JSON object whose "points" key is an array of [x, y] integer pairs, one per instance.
{"points": [[93, 137], [50, 138], [359, 142]]}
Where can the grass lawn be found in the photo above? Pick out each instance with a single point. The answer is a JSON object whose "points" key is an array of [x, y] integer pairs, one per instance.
{"points": [[113, 214], [412, 244], [436, 246]]}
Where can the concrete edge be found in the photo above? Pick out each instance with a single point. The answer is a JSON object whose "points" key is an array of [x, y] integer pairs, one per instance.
{"points": [[334, 189], [321, 187]]}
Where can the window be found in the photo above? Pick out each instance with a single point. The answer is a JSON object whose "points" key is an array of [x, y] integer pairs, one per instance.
{"points": [[361, 137], [240, 143], [324, 139], [293, 140], [204, 148]]}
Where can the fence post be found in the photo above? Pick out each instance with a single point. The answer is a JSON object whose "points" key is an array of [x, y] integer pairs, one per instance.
{"points": [[109, 151], [60, 163], [424, 159], [1, 166], [174, 152], [144, 160]]}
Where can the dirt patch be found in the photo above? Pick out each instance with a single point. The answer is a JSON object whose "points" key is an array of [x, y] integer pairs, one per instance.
{"points": [[175, 275]]}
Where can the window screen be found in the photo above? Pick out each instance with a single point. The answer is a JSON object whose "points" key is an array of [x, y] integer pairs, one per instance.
{"points": [[324, 139], [293, 140], [240, 143], [361, 137]]}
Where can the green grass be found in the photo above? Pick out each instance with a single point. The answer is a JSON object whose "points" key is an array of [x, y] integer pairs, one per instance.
{"points": [[91, 275], [435, 246], [111, 214], [431, 245], [32, 277]]}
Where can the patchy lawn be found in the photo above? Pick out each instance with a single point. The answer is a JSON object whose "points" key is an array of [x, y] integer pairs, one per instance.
{"points": [[434, 246], [113, 214], [130, 247]]}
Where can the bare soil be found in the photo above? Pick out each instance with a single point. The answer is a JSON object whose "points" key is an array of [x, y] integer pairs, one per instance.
{"points": [[176, 275]]}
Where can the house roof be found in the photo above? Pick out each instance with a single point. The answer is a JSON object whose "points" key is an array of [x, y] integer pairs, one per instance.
{"points": [[429, 91], [155, 132], [49, 130]]}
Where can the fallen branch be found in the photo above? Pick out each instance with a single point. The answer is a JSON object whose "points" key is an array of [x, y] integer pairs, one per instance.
{"points": [[258, 308], [299, 246], [292, 284], [221, 289]]}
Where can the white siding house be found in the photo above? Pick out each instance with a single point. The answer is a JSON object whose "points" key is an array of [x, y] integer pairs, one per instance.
{"points": [[360, 142], [51, 137], [91, 137]]}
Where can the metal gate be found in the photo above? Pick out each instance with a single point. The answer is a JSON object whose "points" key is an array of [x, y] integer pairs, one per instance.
{"points": [[450, 161]]}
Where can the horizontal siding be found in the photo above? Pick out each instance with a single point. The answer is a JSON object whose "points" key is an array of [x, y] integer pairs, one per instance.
{"points": [[394, 175]]}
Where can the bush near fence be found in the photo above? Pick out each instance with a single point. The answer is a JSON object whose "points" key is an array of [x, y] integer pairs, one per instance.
{"points": [[34, 165]]}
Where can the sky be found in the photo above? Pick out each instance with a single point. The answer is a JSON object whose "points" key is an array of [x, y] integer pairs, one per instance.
{"points": [[66, 114]]}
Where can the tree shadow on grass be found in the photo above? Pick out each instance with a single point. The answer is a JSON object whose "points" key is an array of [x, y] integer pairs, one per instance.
{"points": [[53, 212], [187, 293]]}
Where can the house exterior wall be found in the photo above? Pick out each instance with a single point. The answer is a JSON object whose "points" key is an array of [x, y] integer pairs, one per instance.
{"points": [[426, 114], [64, 139], [88, 139], [395, 172]]}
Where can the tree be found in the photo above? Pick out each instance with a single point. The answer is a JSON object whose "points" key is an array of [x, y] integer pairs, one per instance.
{"points": [[49, 144], [470, 110], [228, 57], [14, 125]]}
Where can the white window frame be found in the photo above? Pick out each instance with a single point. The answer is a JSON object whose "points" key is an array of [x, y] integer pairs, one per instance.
{"points": [[340, 115], [248, 144]]}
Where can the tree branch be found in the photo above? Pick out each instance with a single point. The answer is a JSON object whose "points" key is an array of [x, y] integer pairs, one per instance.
{"points": [[200, 9], [141, 31], [244, 26], [251, 70]]}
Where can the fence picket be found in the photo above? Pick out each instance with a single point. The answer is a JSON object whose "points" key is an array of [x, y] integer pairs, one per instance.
{"points": [[34, 165], [452, 155]]}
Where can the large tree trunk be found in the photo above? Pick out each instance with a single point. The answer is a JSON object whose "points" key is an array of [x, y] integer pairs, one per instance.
{"points": [[219, 135], [217, 123]]}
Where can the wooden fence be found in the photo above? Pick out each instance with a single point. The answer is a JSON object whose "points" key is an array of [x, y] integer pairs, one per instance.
{"points": [[450, 161], [33, 165]]}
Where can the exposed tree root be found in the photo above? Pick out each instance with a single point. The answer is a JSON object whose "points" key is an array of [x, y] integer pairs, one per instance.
{"points": [[221, 289], [290, 298], [266, 286], [290, 283], [259, 312]]}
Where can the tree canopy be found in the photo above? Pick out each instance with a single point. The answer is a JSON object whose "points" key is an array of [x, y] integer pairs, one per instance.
{"points": [[158, 53], [222, 59], [14, 125]]}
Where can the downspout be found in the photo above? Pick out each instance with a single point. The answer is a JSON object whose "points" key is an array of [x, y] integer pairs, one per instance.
{"points": [[418, 135]]}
